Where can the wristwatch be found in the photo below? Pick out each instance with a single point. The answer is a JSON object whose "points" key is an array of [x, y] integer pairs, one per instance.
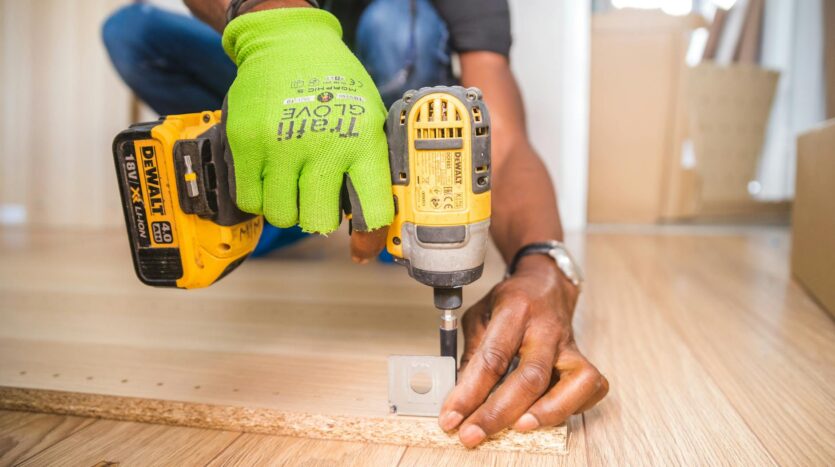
{"points": [[235, 5], [557, 251]]}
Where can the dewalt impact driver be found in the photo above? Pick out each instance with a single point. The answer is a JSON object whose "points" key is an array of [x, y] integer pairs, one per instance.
{"points": [[176, 181]]}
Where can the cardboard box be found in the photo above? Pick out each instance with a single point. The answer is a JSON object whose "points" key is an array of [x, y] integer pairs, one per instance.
{"points": [[636, 114], [813, 219]]}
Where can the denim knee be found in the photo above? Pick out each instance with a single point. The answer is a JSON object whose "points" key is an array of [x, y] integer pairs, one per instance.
{"points": [[400, 57], [124, 34]]}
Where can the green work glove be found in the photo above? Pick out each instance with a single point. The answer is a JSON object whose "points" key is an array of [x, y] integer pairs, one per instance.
{"points": [[301, 114]]}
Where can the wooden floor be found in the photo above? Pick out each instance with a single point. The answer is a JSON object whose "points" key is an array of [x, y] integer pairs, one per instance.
{"points": [[714, 355]]}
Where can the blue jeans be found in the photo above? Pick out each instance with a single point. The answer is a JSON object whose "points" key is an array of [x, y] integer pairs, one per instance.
{"points": [[176, 64]]}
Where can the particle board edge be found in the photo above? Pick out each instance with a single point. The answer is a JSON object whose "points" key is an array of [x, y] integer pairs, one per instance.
{"points": [[388, 430]]}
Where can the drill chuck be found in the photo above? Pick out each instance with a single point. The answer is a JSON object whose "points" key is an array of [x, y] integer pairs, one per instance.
{"points": [[448, 298]]}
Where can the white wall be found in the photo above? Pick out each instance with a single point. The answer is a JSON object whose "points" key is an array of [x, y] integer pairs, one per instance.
{"points": [[550, 57]]}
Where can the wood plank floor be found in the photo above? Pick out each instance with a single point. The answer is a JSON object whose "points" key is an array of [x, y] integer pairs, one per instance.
{"points": [[715, 356]]}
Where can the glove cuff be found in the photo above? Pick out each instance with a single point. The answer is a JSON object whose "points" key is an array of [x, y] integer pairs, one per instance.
{"points": [[290, 27], [235, 6]]}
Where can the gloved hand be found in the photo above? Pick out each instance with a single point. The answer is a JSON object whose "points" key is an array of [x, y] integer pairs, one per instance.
{"points": [[301, 113]]}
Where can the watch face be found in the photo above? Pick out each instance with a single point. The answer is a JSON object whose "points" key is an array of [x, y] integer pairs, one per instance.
{"points": [[566, 264]]}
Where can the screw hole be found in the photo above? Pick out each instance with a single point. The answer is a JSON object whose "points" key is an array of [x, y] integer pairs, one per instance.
{"points": [[421, 382], [206, 118], [481, 181], [396, 240]]}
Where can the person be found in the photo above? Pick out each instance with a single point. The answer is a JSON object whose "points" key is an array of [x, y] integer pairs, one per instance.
{"points": [[290, 165]]}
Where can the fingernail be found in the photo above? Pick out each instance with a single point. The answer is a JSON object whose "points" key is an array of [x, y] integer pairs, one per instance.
{"points": [[472, 435], [359, 260], [526, 422], [450, 420]]}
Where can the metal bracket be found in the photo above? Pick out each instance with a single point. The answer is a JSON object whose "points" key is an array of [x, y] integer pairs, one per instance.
{"points": [[435, 374]]}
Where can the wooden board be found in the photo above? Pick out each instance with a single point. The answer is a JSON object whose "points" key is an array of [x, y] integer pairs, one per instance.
{"points": [[303, 341], [714, 355]]}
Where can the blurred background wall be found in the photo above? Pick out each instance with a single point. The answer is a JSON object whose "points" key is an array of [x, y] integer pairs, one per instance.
{"points": [[61, 106], [644, 111]]}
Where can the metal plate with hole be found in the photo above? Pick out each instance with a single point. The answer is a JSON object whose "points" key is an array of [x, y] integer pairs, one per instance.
{"points": [[418, 384]]}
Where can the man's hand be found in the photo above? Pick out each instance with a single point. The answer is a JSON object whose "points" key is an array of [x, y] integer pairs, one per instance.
{"points": [[302, 113], [528, 314]]}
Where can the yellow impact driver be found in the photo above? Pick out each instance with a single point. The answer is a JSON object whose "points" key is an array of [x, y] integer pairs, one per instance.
{"points": [[439, 153], [176, 182]]}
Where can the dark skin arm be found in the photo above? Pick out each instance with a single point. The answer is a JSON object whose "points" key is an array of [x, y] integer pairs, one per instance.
{"points": [[530, 313]]}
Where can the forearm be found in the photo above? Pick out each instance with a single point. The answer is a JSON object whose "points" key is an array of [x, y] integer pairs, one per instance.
{"points": [[213, 12], [524, 201]]}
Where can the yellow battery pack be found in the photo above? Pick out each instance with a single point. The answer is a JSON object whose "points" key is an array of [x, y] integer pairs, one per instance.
{"points": [[174, 179]]}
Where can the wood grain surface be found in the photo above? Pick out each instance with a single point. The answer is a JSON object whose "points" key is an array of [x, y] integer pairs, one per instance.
{"points": [[294, 345], [23, 435], [715, 356], [108, 442]]}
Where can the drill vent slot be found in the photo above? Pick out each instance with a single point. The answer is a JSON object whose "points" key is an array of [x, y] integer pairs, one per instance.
{"points": [[438, 133], [435, 129], [477, 114]]}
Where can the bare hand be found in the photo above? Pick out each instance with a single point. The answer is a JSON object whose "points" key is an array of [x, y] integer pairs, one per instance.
{"points": [[530, 315]]}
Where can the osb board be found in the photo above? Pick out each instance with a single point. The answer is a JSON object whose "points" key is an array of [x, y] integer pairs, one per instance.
{"points": [[296, 342]]}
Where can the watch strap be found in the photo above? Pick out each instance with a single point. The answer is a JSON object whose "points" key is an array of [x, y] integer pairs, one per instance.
{"points": [[235, 6], [539, 248]]}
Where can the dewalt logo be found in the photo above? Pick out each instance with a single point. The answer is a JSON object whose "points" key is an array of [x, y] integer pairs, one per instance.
{"points": [[151, 172], [459, 171]]}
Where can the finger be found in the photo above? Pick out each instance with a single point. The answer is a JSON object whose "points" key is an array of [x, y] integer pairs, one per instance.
{"points": [[281, 197], [370, 184], [367, 245], [579, 383], [597, 397], [473, 326], [319, 189], [247, 171], [518, 392], [488, 364]]}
